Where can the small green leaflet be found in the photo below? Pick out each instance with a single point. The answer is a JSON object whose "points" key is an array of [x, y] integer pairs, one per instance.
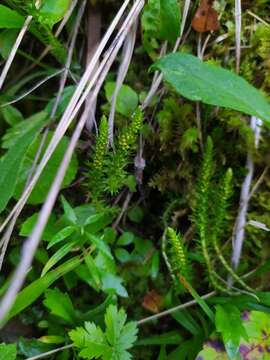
{"points": [[11, 162], [127, 100], [52, 11], [169, 20], [10, 19], [8, 352], [161, 19], [60, 305], [229, 325], [199, 81], [118, 337]]}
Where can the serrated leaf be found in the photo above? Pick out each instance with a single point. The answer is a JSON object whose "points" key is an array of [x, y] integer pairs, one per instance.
{"points": [[169, 20], [10, 19], [60, 305], [11, 162], [91, 340], [8, 351], [93, 343], [213, 85], [229, 325]]}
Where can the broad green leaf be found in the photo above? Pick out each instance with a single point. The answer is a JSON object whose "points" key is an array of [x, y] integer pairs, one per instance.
{"points": [[11, 162], [42, 187], [60, 305], [61, 235], [112, 284], [22, 127], [10, 19], [151, 27], [33, 291], [7, 39], [8, 351], [52, 11], [213, 85], [229, 325], [126, 238], [127, 100], [49, 231], [83, 212], [58, 255], [169, 20], [122, 255]]}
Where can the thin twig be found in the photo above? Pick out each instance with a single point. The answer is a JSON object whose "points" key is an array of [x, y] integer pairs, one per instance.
{"points": [[49, 353], [158, 79], [258, 18], [238, 27], [239, 228], [123, 210], [93, 35], [174, 309], [28, 92], [128, 49], [258, 182], [15, 47]]}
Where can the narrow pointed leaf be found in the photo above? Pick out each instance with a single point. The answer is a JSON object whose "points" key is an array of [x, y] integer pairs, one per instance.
{"points": [[57, 256], [33, 291]]}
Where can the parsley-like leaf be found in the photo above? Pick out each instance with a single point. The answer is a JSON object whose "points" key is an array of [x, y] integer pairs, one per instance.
{"points": [[112, 344]]}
